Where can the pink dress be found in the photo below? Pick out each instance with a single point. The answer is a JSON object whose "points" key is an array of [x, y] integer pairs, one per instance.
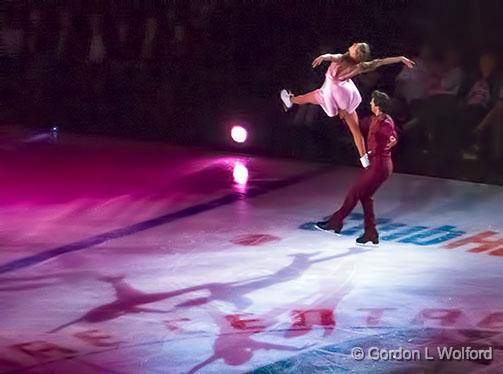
{"points": [[339, 92]]}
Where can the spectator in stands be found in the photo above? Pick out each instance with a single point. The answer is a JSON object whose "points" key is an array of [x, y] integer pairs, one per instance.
{"points": [[94, 71], [412, 85], [65, 36], [12, 36], [34, 32], [489, 132], [480, 99], [97, 50], [435, 113], [448, 75], [12, 39], [151, 26], [38, 65]]}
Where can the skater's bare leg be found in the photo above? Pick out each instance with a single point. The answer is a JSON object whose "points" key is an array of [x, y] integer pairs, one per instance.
{"points": [[351, 120], [308, 98]]}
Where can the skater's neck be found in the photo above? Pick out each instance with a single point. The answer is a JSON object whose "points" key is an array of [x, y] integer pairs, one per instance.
{"points": [[350, 59]]}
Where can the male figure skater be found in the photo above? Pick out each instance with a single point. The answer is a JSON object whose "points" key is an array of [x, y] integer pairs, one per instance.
{"points": [[380, 139]]}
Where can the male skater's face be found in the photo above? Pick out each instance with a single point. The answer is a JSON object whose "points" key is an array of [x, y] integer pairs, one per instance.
{"points": [[373, 107]]}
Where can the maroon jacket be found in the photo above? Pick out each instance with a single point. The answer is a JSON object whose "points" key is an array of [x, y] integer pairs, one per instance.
{"points": [[381, 136]]}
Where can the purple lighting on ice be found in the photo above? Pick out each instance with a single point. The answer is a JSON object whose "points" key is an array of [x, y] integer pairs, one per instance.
{"points": [[240, 173]]}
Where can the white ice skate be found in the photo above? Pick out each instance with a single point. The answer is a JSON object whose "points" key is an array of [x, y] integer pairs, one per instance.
{"points": [[286, 98]]}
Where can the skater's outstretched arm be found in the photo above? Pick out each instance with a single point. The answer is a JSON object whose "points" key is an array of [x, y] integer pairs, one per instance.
{"points": [[326, 57], [388, 61], [368, 66]]}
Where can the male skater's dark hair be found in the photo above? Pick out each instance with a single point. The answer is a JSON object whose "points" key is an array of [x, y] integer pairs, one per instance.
{"points": [[382, 100]]}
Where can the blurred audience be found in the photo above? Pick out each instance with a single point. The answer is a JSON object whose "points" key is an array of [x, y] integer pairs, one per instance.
{"points": [[480, 98], [138, 68], [412, 85]]}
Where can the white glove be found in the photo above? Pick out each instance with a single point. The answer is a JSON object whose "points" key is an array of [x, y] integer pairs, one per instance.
{"points": [[365, 160]]}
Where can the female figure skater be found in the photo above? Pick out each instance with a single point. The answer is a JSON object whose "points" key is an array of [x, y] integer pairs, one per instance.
{"points": [[339, 95]]}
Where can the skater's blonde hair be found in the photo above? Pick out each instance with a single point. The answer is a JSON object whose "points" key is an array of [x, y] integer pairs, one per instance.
{"points": [[362, 52]]}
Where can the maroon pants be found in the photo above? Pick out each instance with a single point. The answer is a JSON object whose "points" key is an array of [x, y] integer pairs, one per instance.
{"points": [[363, 190]]}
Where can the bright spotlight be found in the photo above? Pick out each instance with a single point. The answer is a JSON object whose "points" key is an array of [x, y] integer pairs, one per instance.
{"points": [[239, 134]]}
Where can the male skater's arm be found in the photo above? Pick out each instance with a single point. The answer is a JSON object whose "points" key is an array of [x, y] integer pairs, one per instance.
{"points": [[385, 138]]}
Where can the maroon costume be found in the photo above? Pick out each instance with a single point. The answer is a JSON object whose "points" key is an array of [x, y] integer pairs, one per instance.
{"points": [[380, 139]]}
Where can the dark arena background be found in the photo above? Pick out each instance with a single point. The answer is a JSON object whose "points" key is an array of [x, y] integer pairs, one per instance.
{"points": [[161, 212]]}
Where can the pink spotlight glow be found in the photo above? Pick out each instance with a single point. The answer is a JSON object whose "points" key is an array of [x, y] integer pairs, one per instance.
{"points": [[240, 173], [239, 134]]}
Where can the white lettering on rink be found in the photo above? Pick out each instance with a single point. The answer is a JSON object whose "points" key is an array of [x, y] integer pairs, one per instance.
{"points": [[404, 354], [464, 354]]}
